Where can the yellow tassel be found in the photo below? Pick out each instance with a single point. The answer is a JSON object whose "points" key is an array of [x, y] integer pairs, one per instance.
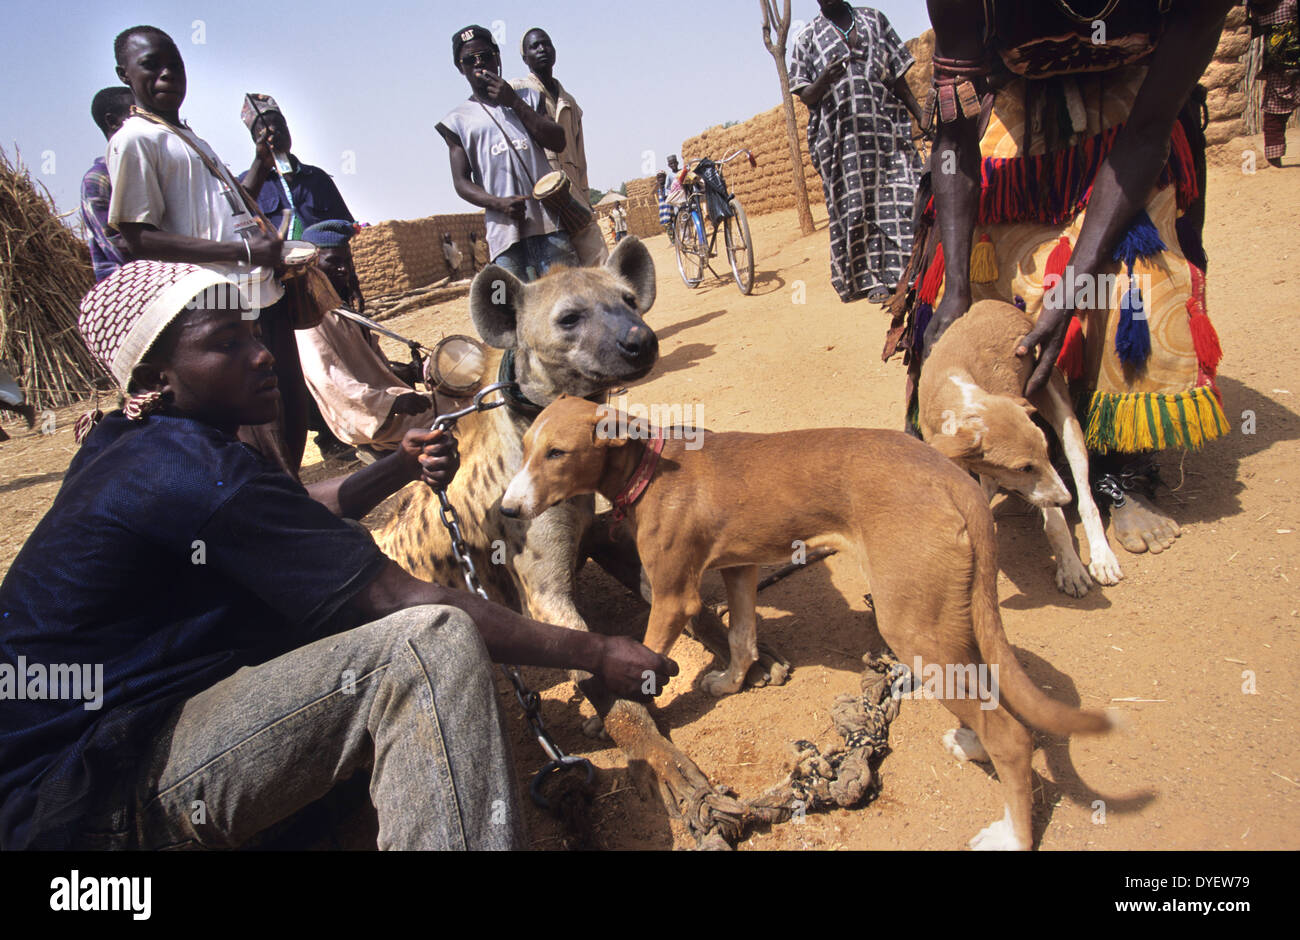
{"points": [[1207, 407], [1145, 433], [983, 261]]}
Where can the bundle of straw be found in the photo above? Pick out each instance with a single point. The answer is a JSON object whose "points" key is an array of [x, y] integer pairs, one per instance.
{"points": [[44, 272]]}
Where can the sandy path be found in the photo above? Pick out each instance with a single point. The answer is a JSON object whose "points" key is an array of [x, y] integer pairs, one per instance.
{"points": [[1207, 766]]}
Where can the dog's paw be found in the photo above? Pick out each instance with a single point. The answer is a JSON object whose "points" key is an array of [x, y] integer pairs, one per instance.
{"points": [[998, 837], [1071, 577], [595, 728], [718, 684], [1104, 566], [964, 744]]}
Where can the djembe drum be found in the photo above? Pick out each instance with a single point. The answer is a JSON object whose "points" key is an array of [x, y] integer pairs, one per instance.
{"points": [[554, 191]]}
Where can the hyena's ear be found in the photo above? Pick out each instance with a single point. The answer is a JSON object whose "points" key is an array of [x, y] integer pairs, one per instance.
{"points": [[631, 261], [495, 299]]}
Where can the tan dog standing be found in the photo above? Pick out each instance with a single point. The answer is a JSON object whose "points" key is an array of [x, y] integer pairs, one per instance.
{"points": [[578, 331], [920, 528], [972, 411]]}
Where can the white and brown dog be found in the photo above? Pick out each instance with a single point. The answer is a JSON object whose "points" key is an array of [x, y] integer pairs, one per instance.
{"points": [[972, 410], [918, 525]]}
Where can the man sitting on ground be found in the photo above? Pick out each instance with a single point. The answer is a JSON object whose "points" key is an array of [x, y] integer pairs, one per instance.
{"points": [[251, 648]]}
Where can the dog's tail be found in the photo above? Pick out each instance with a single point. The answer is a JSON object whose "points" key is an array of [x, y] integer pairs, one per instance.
{"points": [[1014, 686]]}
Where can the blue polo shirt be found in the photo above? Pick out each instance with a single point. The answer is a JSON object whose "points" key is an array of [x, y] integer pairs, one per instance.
{"points": [[315, 196], [172, 556]]}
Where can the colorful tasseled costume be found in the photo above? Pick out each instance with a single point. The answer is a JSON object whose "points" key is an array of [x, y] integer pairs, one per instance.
{"points": [[1147, 355]]}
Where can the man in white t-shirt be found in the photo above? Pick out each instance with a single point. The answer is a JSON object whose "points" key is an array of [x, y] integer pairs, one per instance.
{"points": [[169, 203]]}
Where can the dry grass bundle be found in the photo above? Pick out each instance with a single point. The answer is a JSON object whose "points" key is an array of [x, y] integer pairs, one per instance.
{"points": [[44, 272]]}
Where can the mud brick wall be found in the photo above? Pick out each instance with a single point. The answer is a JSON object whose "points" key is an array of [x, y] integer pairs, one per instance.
{"points": [[641, 206], [769, 186], [1225, 80], [397, 256]]}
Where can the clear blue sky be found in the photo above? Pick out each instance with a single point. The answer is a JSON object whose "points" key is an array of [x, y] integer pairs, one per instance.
{"points": [[371, 79]]}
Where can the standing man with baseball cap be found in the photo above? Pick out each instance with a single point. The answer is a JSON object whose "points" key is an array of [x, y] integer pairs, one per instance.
{"points": [[557, 104], [498, 141]]}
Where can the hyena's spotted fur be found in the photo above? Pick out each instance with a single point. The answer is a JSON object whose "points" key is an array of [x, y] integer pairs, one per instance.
{"points": [[530, 565], [527, 565]]}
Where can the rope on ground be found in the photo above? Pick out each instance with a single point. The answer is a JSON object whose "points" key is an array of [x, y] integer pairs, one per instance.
{"points": [[843, 777]]}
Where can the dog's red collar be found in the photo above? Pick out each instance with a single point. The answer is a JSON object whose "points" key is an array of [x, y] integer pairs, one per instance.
{"points": [[640, 479]]}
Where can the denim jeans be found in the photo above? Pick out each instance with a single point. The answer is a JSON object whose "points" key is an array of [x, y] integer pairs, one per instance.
{"points": [[410, 696], [531, 258]]}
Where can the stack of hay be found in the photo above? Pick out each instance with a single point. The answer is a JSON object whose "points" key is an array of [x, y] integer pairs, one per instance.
{"points": [[44, 272]]}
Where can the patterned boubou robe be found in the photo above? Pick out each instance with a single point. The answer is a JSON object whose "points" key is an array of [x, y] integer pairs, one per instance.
{"points": [[859, 136]]}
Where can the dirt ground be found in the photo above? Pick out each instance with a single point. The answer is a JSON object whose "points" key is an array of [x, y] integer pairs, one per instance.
{"points": [[1203, 763]]}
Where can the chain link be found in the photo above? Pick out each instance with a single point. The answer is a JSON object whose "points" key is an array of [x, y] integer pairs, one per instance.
{"points": [[529, 700]]}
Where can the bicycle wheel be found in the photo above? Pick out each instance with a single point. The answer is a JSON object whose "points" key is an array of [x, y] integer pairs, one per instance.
{"points": [[740, 250], [690, 253]]}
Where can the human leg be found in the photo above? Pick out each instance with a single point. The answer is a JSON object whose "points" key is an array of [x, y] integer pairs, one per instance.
{"points": [[411, 696]]}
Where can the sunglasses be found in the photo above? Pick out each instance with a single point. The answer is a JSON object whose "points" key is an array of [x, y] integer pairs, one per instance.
{"points": [[477, 59]]}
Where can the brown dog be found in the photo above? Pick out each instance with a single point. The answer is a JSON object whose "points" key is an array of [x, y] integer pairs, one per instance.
{"points": [[971, 410], [919, 526]]}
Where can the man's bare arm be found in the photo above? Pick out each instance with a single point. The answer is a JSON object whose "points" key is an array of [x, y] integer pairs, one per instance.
{"points": [[430, 456], [1141, 150], [462, 179], [621, 663], [145, 242]]}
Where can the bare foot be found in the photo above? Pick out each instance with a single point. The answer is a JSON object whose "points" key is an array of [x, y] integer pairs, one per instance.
{"points": [[1140, 527]]}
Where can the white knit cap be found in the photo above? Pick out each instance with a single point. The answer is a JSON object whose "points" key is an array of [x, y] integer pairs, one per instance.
{"points": [[124, 314]]}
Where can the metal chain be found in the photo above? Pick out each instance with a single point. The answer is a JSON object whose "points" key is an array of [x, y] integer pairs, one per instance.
{"points": [[529, 700]]}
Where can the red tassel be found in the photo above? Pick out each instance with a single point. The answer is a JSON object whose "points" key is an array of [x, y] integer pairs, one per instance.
{"points": [[1057, 262], [1183, 165], [1070, 361], [933, 279], [1205, 338]]}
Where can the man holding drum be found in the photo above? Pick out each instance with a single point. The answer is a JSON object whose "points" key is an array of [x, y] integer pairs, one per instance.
{"points": [[558, 105], [497, 142]]}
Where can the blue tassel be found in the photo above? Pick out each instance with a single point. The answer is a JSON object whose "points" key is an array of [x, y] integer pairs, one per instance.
{"points": [[1142, 240], [920, 323], [1133, 335]]}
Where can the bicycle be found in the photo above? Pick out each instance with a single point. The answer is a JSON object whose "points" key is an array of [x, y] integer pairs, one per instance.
{"points": [[694, 246]]}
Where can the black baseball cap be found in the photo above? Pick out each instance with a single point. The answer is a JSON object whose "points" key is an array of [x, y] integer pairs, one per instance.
{"points": [[469, 34]]}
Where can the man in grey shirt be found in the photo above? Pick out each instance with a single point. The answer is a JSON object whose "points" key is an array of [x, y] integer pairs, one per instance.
{"points": [[498, 141]]}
